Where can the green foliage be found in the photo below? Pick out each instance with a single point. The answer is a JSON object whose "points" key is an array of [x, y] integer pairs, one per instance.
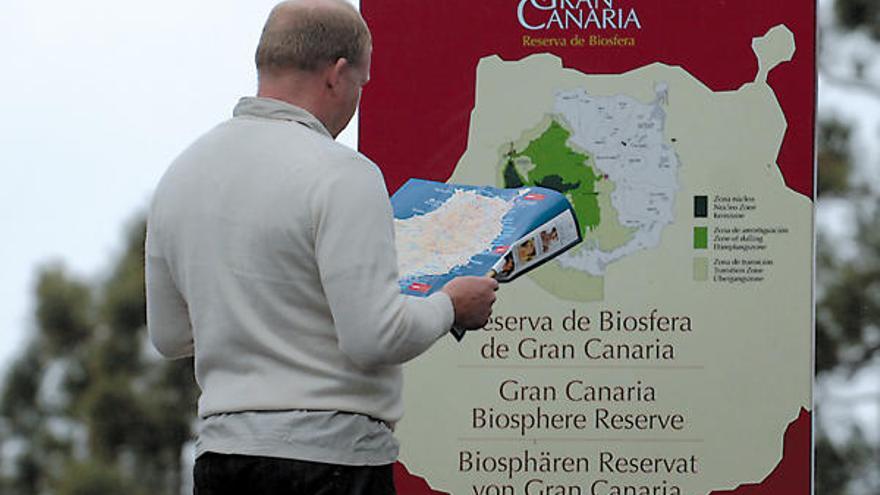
{"points": [[19, 400], [123, 305], [29, 475], [835, 472], [63, 310], [849, 305], [834, 158], [134, 413], [92, 478], [859, 15], [113, 416], [848, 272], [838, 464]]}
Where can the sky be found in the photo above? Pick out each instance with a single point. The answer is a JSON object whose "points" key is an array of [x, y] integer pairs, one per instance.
{"points": [[97, 97]]}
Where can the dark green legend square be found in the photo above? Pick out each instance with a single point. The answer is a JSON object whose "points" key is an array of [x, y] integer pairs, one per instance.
{"points": [[701, 206], [701, 237]]}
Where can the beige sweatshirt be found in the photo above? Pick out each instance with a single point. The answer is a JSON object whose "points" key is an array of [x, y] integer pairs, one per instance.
{"points": [[270, 256]]}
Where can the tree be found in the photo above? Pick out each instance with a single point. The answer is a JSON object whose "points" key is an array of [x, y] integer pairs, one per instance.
{"points": [[88, 408], [848, 278]]}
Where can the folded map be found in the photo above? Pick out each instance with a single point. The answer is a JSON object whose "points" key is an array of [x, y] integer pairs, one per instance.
{"points": [[445, 231]]}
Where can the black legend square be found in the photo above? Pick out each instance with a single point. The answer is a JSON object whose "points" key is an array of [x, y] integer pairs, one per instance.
{"points": [[701, 206]]}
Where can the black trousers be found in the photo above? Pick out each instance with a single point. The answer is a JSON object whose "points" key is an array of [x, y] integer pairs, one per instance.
{"points": [[225, 474]]}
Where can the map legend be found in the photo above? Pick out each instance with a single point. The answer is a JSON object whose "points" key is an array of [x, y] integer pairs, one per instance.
{"points": [[701, 237]]}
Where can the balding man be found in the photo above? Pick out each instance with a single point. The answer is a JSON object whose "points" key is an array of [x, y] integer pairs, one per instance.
{"points": [[270, 258]]}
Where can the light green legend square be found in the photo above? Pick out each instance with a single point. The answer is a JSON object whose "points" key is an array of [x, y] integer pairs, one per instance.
{"points": [[701, 237], [701, 269]]}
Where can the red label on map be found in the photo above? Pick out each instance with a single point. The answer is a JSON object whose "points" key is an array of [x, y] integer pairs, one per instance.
{"points": [[417, 287]]}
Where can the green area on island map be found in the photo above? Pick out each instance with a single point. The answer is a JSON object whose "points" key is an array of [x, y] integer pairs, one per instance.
{"points": [[557, 166]]}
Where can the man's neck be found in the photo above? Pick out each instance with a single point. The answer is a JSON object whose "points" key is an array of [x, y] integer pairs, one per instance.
{"points": [[302, 90]]}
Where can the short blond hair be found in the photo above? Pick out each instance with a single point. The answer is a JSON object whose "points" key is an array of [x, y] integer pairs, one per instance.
{"points": [[308, 38]]}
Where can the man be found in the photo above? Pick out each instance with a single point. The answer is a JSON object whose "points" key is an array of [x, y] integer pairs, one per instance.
{"points": [[270, 257]]}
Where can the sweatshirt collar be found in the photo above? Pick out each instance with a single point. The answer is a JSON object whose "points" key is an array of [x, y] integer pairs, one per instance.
{"points": [[268, 108]]}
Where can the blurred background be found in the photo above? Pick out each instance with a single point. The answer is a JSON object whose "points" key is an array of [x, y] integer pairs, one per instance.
{"points": [[99, 96]]}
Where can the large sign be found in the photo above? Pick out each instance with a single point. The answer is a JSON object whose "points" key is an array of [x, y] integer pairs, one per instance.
{"points": [[671, 353]]}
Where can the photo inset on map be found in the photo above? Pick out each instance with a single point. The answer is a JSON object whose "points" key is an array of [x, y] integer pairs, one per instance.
{"points": [[508, 267], [549, 239], [526, 251]]}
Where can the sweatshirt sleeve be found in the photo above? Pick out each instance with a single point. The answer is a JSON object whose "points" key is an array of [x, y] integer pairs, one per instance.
{"points": [[354, 245], [168, 322]]}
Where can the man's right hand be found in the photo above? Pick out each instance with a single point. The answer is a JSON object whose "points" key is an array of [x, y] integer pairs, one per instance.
{"points": [[472, 299]]}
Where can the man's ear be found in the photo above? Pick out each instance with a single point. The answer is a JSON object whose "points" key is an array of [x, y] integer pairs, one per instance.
{"points": [[334, 73]]}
